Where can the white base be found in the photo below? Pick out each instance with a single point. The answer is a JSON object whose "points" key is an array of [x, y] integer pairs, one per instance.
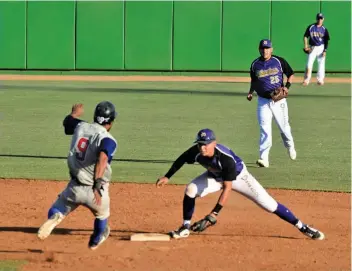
{"points": [[150, 237]]}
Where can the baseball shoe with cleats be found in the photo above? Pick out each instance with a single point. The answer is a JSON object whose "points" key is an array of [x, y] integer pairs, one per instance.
{"points": [[305, 83], [93, 245], [320, 83], [312, 233], [262, 163], [182, 232], [292, 153], [46, 229]]}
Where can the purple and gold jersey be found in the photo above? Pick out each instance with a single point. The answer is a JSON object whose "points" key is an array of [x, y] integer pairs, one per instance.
{"points": [[225, 164], [267, 75], [317, 35]]}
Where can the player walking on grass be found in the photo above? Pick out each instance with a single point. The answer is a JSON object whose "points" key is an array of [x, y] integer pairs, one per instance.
{"points": [[91, 152], [224, 171], [267, 75]]}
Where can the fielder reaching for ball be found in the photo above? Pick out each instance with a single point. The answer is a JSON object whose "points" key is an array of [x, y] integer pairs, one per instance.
{"points": [[318, 37], [226, 171], [266, 78], [91, 151]]}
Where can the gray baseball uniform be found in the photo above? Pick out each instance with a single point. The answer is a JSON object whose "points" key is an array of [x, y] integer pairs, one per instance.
{"points": [[90, 172], [88, 140]]}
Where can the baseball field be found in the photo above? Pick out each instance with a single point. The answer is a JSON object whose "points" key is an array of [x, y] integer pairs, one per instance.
{"points": [[158, 119]]}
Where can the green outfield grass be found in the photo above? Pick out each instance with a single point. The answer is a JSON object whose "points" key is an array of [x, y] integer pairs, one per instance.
{"points": [[10, 265], [152, 73], [158, 121]]}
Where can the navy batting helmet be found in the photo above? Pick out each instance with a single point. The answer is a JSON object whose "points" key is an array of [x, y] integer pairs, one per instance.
{"points": [[104, 113]]}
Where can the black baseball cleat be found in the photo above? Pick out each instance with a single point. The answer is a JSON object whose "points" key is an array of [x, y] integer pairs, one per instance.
{"points": [[182, 232], [262, 163], [312, 233]]}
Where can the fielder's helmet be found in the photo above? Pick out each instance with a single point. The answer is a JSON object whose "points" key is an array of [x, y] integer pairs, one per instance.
{"points": [[205, 136], [104, 113]]}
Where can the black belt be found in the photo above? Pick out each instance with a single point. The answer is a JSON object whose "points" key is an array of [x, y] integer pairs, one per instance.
{"points": [[266, 96], [74, 179]]}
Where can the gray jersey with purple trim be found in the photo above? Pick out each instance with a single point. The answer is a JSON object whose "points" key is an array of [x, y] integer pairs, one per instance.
{"points": [[84, 151]]}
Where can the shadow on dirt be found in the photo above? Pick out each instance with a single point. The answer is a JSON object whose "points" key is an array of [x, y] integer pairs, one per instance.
{"points": [[126, 233], [63, 231]]}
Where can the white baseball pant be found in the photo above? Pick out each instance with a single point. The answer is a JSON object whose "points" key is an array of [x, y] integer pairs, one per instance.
{"points": [[266, 110], [317, 52], [244, 184]]}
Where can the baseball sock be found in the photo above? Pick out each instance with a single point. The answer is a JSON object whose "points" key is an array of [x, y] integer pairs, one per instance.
{"points": [[188, 208], [53, 211], [284, 213], [99, 227]]}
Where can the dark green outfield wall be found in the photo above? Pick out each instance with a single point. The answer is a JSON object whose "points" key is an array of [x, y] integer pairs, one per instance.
{"points": [[164, 36]]}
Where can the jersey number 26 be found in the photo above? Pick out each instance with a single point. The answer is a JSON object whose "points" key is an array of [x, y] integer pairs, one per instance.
{"points": [[82, 146]]}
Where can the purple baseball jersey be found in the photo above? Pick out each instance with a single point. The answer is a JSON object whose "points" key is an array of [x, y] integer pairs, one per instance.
{"points": [[224, 164], [267, 75], [317, 35]]}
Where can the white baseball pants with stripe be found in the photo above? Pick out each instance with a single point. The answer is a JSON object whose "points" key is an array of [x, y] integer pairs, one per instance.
{"points": [[244, 184], [317, 53], [266, 110]]}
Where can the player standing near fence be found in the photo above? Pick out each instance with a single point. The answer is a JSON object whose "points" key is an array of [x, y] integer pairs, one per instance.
{"points": [[316, 39]]}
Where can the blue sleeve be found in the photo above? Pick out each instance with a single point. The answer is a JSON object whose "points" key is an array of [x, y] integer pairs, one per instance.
{"points": [[70, 123], [108, 146]]}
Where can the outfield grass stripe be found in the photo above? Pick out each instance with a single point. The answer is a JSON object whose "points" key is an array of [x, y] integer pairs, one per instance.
{"points": [[156, 127]]}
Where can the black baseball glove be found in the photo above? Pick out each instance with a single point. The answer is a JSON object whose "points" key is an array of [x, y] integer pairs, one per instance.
{"points": [[98, 185], [307, 50], [204, 223]]}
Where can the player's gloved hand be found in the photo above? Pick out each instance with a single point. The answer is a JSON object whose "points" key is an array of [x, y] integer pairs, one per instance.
{"points": [[279, 94], [249, 97], [97, 190], [285, 91], [162, 181], [77, 110], [201, 225], [307, 50]]}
